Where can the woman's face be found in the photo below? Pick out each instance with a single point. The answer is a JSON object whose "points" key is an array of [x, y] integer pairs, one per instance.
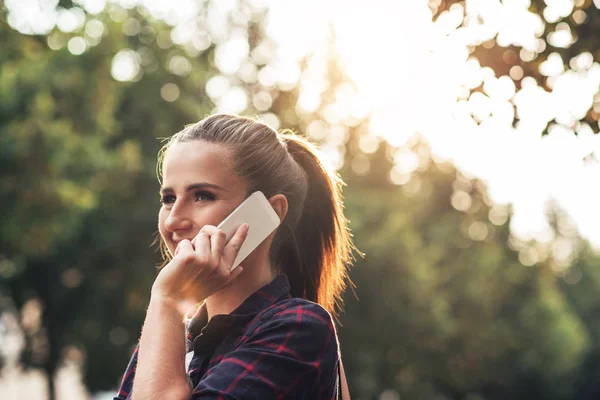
{"points": [[199, 188]]}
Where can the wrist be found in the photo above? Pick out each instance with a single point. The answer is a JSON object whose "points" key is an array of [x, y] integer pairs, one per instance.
{"points": [[164, 300]]}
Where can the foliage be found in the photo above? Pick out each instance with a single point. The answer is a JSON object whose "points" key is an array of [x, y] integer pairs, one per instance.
{"points": [[439, 311], [444, 305]]}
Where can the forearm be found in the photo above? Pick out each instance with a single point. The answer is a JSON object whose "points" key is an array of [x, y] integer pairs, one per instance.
{"points": [[160, 370]]}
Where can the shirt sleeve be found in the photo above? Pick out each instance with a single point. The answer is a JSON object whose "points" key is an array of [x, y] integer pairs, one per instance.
{"points": [[127, 382], [292, 354]]}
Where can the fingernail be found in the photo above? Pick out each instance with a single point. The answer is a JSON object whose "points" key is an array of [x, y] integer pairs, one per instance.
{"points": [[246, 228]]}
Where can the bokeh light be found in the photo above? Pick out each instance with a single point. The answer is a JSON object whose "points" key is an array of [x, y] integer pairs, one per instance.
{"points": [[497, 89], [125, 65]]}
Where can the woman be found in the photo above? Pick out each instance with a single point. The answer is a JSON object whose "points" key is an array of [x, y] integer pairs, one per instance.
{"points": [[263, 331]]}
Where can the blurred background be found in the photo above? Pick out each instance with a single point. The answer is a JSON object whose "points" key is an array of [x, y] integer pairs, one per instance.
{"points": [[467, 133]]}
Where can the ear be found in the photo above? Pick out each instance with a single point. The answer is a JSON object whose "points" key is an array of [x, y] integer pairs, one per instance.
{"points": [[280, 205]]}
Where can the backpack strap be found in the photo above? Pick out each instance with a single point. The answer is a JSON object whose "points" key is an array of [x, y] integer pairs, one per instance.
{"points": [[343, 392]]}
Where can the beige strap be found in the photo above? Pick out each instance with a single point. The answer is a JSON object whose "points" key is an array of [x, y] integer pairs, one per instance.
{"points": [[343, 383]]}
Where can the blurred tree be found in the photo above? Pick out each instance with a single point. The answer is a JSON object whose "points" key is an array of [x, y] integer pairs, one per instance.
{"points": [[56, 124], [581, 287], [582, 23], [78, 153], [444, 304], [455, 311]]}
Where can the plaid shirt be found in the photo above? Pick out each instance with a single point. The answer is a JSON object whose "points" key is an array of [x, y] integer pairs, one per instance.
{"points": [[272, 346]]}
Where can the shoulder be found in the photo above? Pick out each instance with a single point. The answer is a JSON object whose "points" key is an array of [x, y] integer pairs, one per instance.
{"points": [[298, 311], [297, 321], [289, 350]]}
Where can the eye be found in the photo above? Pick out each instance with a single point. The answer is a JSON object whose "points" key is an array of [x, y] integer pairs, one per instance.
{"points": [[167, 199], [202, 195]]}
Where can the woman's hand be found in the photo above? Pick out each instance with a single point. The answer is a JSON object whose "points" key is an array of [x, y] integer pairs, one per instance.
{"points": [[200, 267]]}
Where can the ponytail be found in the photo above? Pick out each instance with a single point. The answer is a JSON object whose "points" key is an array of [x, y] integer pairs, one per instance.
{"points": [[318, 249]]}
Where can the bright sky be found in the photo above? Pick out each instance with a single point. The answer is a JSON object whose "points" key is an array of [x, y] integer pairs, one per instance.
{"points": [[410, 75]]}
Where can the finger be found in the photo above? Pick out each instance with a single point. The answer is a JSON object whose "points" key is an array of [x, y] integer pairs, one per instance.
{"points": [[233, 276], [209, 229], [184, 246], [235, 244], [217, 244], [203, 246], [217, 241]]}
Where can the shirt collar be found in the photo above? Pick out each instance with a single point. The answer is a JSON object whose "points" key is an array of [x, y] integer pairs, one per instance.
{"points": [[199, 325]]}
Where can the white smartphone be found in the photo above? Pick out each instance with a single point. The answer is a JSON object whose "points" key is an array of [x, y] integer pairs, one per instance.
{"points": [[262, 220]]}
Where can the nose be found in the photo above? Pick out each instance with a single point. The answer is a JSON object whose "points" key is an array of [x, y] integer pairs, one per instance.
{"points": [[178, 219]]}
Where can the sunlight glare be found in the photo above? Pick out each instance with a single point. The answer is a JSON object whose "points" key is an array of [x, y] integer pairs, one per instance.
{"points": [[415, 76]]}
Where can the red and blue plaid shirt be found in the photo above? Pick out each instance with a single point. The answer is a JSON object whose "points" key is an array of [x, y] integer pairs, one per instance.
{"points": [[272, 346]]}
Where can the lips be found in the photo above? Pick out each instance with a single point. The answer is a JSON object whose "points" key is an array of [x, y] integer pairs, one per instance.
{"points": [[176, 241]]}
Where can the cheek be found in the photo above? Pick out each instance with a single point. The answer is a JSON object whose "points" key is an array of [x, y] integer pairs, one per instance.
{"points": [[164, 233], [162, 217], [216, 217]]}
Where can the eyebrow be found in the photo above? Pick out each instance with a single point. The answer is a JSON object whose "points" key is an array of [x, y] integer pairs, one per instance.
{"points": [[194, 186]]}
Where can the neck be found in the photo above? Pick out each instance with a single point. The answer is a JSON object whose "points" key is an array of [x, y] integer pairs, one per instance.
{"points": [[255, 275]]}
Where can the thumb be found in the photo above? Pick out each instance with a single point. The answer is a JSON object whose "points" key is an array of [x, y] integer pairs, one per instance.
{"points": [[234, 274]]}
